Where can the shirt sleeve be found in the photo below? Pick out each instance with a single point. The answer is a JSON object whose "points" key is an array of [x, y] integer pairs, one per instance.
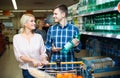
{"points": [[42, 47], [48, 43], [16, 49], [77, 48]]}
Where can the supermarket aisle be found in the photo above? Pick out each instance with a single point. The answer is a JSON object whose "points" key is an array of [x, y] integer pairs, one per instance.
{"points": [[8, 65]]}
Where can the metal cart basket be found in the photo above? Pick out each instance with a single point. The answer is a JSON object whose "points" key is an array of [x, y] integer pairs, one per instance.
{"points": [[50, 73]]}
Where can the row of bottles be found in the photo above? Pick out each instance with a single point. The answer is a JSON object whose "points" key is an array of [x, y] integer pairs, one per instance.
{"points": [[86, 6], [96, 20], [97, 48], [109, 49], [103, 47], [93, 47], [103, 22]]}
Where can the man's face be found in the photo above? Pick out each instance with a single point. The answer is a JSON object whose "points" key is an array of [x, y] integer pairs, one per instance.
{"points": [[58, 15]]}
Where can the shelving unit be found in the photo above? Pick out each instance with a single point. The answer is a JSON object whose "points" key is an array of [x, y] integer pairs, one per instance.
{"points": [[100, 28], [99, 13], [116, 36]]}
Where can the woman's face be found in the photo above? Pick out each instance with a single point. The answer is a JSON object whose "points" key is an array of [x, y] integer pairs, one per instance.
{"points": [[41, 23], [30, 24]]}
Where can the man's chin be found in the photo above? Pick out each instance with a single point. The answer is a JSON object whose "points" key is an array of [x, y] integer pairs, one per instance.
{"points": [[56, 21]]}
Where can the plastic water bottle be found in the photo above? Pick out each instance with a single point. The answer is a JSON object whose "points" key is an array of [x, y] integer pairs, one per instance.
{"points": [[70, 44]]}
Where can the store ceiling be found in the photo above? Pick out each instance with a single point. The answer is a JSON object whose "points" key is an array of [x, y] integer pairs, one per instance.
{"points": [[34, 5]]}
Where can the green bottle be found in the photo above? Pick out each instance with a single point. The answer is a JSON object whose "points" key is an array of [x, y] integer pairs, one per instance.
{"points": [[70, 44]]}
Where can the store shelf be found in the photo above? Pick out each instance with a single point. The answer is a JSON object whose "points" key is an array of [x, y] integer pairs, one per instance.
{"points": [[99, 11], [106, 10], [108, 35]]}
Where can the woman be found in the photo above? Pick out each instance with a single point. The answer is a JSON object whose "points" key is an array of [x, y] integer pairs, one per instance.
{"points": [[29, 47], [40, 24]]}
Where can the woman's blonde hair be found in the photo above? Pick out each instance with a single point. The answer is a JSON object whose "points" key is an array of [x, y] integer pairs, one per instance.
{"points": [[38, 21], [23, 20]]}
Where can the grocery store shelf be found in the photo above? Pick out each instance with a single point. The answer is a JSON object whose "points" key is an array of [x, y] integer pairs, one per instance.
{"points": [[107, 10], [109, 35], [100, 11]]}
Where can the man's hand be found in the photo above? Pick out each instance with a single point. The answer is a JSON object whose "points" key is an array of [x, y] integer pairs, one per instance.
{"points": [[76, 42], [54, 49]]}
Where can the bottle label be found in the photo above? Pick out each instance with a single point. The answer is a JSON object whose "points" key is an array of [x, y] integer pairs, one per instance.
{"points": [[69, 45]]}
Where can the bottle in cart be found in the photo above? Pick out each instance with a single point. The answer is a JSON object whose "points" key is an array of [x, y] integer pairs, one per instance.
{"points": [[70, 44]]}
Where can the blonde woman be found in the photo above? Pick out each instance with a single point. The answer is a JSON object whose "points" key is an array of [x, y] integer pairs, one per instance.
{"points": [[29, 47]]}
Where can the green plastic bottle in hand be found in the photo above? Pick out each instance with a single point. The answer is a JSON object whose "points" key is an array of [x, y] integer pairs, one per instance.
{"points": [[70, 44]]}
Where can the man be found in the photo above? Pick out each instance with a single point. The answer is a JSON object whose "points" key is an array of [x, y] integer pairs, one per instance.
{"points": [[58, 35]]}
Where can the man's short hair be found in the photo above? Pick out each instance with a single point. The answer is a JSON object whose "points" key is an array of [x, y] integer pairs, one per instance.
{"points": [[63, 8]]}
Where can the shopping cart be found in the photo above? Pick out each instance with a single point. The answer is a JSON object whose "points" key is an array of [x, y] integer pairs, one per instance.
{"points": [[77, 72]]}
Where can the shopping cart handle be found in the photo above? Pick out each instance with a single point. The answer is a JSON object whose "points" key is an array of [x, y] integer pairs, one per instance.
{"points": [[76, 62]]}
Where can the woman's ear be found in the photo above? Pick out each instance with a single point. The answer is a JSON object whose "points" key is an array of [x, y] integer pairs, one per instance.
{"points": [[25, 24]]}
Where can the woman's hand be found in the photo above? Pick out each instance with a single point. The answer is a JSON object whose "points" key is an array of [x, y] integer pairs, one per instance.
{"points": [[45, 62], [36, 63]]}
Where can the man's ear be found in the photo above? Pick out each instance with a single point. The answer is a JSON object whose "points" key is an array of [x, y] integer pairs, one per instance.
{"points": [[63, 14]]}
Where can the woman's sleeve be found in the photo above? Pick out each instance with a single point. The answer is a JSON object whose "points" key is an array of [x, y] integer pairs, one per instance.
{"points": [[16, 49], [42, 47]]}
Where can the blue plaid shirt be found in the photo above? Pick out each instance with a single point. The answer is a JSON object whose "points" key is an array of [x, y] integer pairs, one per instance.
{"points": [[59, 36]]}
